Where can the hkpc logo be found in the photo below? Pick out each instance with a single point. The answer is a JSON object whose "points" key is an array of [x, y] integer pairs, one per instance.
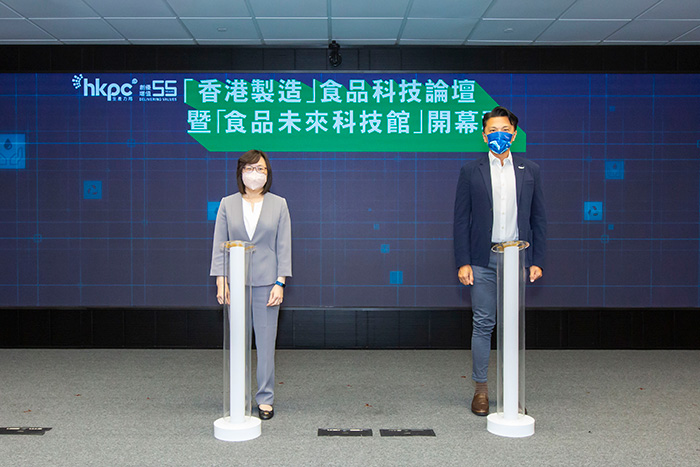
{"points": [[112, 91]]}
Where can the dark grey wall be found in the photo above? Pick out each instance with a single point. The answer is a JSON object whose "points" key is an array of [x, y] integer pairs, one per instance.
{"points": [[346, 328], [618, 59]]}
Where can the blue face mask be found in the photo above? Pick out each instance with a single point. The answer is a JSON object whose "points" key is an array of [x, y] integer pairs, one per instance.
{"points": [[499, 141]]}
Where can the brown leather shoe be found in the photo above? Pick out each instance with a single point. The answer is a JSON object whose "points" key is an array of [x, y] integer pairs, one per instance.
{"points": [[480, 405]]}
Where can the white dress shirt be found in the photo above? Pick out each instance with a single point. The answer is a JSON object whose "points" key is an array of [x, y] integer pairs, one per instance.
{"points": [[251, 215], [505, 206]]}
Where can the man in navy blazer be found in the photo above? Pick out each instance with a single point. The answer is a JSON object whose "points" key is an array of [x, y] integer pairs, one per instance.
{"points": [[499, 198]]}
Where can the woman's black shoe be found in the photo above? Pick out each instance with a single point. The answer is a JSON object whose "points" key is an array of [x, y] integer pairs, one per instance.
{"points": [[266, 414]]}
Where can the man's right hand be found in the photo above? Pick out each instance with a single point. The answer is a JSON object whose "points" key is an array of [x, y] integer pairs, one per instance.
{"points": [[465, 275]]}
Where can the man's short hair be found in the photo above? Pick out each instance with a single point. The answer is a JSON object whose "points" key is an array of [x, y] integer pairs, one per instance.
{"points": [[500, 112]]}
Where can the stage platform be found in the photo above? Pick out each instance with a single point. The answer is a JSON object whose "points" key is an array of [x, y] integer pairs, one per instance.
{"points": [[157, 408]]}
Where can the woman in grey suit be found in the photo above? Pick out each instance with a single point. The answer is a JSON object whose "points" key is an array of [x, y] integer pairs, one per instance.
{"points": [[256, 215]]}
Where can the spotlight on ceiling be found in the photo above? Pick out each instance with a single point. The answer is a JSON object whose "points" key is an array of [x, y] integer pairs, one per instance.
{"points": [[334, 57]]}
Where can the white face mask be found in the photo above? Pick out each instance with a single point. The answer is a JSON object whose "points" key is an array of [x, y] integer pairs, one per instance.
{"points": [[254, 180]]}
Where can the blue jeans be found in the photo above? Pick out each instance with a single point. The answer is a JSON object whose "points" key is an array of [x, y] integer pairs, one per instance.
{"points": [[484, 305]]}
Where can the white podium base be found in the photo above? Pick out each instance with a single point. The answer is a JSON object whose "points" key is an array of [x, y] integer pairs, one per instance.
{"points": [[522, 427], [249, 429]]}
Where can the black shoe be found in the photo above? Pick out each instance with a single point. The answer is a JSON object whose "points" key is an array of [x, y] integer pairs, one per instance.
{"points": [[266, 414]]}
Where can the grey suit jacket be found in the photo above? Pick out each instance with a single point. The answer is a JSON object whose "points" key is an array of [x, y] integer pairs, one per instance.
{"points": [[272, 238]]}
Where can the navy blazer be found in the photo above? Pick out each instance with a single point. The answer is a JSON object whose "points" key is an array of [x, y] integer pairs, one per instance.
{"points": [[473, 220]]}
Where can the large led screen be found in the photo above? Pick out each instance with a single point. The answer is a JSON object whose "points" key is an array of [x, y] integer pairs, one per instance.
{"points": [[110, 183]]}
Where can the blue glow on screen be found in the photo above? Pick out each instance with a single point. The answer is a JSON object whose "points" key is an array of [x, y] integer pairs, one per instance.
{"points": [[620, 166]]}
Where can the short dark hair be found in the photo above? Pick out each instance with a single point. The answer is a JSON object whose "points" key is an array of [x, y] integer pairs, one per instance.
{"points": [[252, 157], [500, 112]]}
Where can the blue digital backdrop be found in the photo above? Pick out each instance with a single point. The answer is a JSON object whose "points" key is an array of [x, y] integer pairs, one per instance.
{"points": [[107, 200]]}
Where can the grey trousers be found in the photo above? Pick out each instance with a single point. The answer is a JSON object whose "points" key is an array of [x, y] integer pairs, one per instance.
{"points": [[265, 328]]}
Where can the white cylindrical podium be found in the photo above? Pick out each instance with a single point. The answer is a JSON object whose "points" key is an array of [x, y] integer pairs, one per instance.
{"points": [[510, 419], [237, 423]]}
